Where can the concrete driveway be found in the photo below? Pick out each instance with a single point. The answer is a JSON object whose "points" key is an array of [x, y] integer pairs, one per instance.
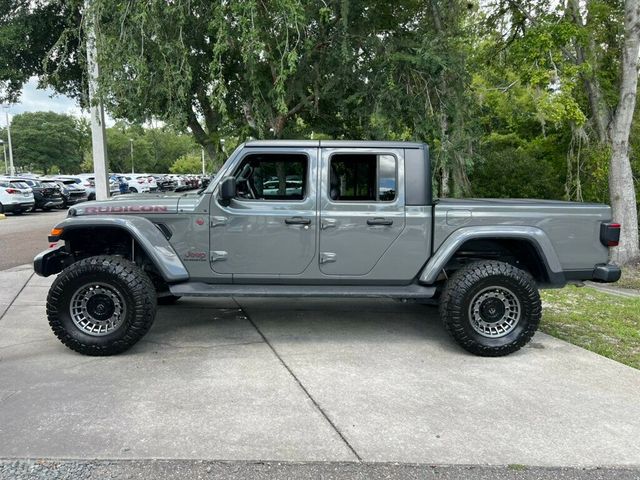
{"points": [[306, 380]]}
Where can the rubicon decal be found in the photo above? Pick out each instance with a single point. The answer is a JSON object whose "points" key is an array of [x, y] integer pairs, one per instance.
{"points": [[126, 209]]}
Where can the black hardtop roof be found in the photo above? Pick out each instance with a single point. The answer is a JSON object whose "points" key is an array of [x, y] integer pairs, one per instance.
{"points": [[334, 144]]}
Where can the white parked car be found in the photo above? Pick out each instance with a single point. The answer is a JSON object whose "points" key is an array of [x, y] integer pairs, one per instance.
{"points": [[15, 196], [178, 179], [153, 184], [89, 183], [138, 183]]}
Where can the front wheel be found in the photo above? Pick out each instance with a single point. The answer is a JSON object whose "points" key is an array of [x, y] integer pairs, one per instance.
{"points": [[491, 308], [101, 305]]}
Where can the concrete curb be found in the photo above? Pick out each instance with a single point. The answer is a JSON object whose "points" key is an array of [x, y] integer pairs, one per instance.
{"points": [[621, 292], [232, 470]]}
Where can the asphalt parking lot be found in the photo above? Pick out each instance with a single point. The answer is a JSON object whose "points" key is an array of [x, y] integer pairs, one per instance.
{"points": [[24, 236], [302, 380]]}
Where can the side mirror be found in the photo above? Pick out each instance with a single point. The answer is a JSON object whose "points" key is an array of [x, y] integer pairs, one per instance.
{"points": [[227, 190]]}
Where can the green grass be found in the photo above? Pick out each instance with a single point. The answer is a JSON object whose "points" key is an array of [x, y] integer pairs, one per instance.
{"points": [[603, 323]]}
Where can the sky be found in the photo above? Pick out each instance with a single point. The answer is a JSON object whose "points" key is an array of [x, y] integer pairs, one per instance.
{"points": [[34, 99]]}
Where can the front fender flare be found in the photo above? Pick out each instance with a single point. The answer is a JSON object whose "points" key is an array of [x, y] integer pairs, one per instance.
{"points": [[145, 233], [535, 236]]}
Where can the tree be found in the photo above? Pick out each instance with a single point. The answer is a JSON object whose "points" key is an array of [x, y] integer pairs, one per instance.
{"points": [[190, 163], [154, 149], [47, 141], [583, 54], [621, 183], [40, 39]]}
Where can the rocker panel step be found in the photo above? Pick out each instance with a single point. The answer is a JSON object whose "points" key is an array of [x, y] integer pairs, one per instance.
{"points": [[201, 289]]}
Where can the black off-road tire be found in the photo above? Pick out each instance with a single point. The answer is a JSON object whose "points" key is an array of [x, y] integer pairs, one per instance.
{"points": [[127, 279], [168, 299], [466, 283]]}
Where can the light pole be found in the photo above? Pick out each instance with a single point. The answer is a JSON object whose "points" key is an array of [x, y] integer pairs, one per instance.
{"points": [[202, 154], [4, 153], [98, 135], [12, 170], [131, 145]]}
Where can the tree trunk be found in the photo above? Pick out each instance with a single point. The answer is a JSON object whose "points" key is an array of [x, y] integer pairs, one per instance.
{"points": [[202, 137], [444, 182], [621, 185], [600, 111]]}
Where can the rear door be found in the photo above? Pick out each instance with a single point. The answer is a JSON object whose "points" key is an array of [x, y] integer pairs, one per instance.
{"points": [[361, 207]]}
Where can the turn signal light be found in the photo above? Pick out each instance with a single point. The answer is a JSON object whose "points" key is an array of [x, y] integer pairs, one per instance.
{"points": [[54, 235]]}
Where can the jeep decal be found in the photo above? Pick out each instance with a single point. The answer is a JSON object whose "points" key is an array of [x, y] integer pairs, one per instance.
{"points": [[195, 257]]}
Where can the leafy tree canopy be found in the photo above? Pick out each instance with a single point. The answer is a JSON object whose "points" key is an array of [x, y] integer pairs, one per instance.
{"points": [[47, 141]]}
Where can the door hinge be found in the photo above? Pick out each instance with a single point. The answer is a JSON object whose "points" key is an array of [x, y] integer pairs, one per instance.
{"points": [[218, 255], [217, 221], [327, 257]]}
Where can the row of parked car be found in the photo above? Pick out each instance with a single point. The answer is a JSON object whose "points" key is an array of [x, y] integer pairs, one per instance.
{"points": [[31, 192], [143, 182]]}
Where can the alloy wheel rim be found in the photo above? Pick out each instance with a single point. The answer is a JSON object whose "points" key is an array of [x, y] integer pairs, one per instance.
{"points": [[97, 309], [494, 312]]}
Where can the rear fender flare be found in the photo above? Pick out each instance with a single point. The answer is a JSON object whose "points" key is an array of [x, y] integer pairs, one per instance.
{"points": [[535, 236]]}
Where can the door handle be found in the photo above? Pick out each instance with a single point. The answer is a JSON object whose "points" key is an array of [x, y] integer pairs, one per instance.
{"points": [[379, 221], [297, 221]]}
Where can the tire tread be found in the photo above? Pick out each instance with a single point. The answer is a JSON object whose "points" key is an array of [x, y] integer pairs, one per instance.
{"points": [[453, 308], [137, 282]]}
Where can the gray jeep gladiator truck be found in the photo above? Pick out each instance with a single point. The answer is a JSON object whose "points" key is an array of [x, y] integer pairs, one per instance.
{"points": [[321, 218]]}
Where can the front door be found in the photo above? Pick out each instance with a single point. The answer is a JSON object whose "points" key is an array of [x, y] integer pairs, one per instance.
{"points": [[362, 208], [269, 228]]}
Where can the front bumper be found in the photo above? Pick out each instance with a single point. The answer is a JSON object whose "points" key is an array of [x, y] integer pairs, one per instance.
{"points": [[72, 200], [50, 261], [50, 202]]}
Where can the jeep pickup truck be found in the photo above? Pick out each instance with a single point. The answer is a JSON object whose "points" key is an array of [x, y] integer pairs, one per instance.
{"points": [[328, 219]]}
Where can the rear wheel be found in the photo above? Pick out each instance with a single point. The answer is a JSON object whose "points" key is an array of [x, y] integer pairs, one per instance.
{"points": [[491, 308], [101, 305], [133, 190]]}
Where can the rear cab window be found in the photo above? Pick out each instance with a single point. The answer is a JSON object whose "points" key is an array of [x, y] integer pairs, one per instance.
{"points": [[363, 177]]}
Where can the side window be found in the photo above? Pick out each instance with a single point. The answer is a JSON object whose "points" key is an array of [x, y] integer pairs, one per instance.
{"points": [[363, 177], [270, 176]]}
